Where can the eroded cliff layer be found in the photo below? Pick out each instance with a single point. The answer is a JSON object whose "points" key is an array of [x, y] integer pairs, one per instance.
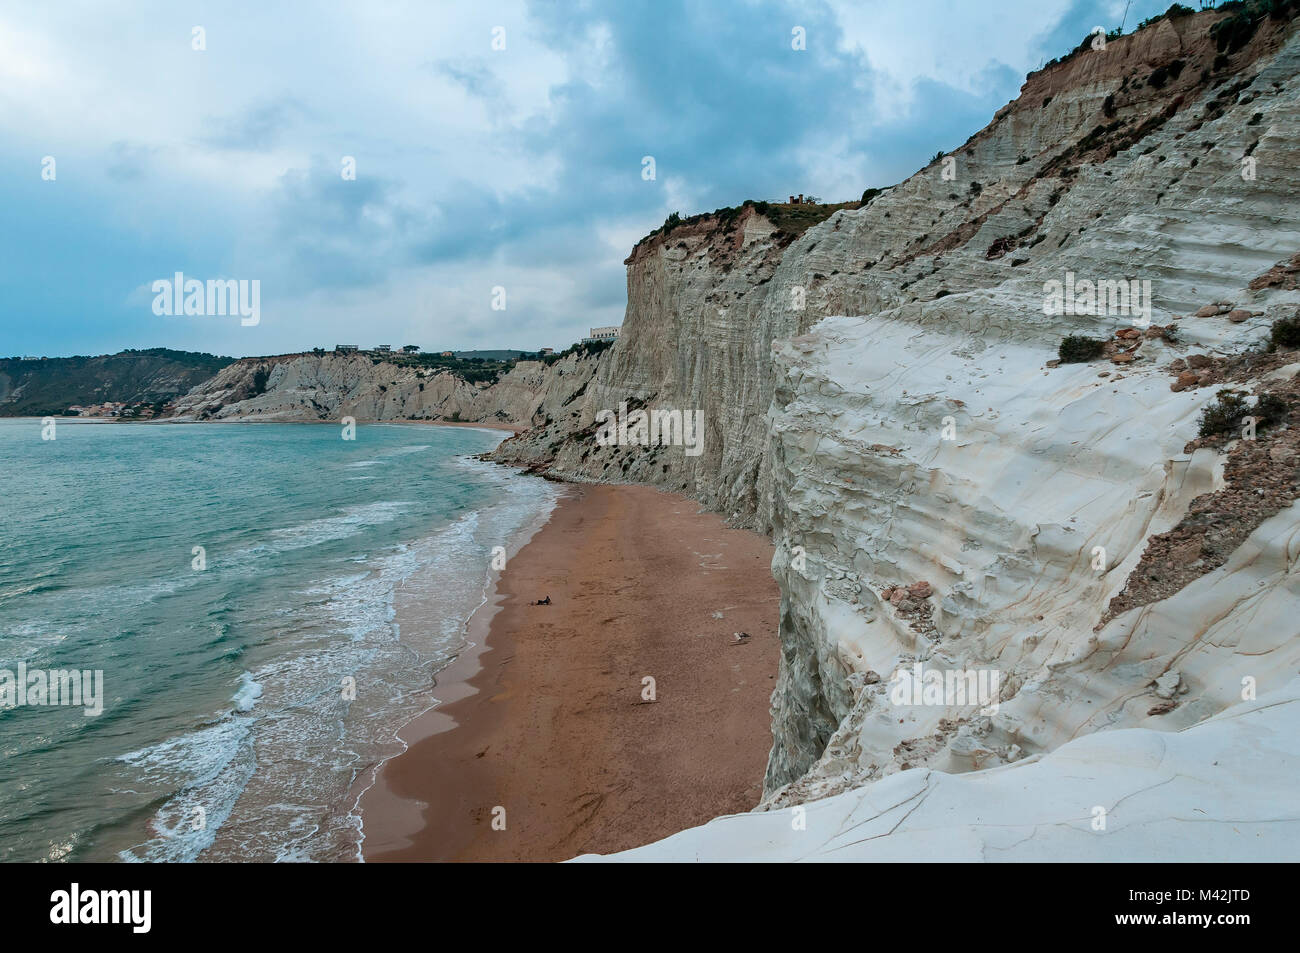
{"points": [[940, 492], [318, 387]]}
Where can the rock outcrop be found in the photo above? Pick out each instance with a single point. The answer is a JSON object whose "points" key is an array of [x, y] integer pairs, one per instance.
{"points": [[1220, 791], [315, 387], [882, 394], [1073, 175]]}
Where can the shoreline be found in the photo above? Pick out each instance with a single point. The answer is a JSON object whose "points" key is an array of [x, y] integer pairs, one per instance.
{"points": [[509, 428], [543, 713], [447, 681]]}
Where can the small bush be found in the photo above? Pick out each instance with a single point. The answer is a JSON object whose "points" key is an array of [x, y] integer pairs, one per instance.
{"points": [[1270, 409], [1233, 33], [1224, 415], [260, 377], [1286, 332], [1077, 349], [1227, 414]]}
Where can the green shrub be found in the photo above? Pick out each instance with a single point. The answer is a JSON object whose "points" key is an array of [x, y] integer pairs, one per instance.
{"points": [[1177, 10], [1229, 411], [260, 377], [1077, 349], [1270, 409], [1232, 34], [1224, 415], [1286, 332]]}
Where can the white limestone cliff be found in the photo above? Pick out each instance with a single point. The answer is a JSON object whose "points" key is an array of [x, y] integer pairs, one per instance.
{"points": [[941, 493], [316, 387]]}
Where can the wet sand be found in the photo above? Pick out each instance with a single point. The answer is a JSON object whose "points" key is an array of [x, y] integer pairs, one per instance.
{"points": [[546, 717]]}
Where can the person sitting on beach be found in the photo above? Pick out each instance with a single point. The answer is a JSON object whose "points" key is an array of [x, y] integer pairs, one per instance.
{"points": [[543, 602]]}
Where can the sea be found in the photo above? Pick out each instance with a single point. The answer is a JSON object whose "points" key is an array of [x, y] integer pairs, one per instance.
{"points": [[267, 605]]}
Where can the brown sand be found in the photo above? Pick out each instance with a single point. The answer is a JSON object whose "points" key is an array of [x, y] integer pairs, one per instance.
{"points": [[549, 720], [483, 425]]}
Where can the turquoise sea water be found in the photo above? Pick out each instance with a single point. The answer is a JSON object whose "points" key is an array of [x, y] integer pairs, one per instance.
{"points": [[229, 730]]}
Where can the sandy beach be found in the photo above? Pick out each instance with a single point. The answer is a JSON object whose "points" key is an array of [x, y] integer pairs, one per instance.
{"points": [[548, 723]]}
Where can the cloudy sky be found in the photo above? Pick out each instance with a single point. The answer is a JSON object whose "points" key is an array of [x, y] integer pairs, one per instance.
{"points": [[476, 167]]}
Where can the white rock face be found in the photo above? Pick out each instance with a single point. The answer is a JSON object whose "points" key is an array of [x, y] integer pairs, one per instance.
{"points": [[912, 431], [1049, 471], [1026, 524], [707, 301], [313, 387], [1221, 791]]}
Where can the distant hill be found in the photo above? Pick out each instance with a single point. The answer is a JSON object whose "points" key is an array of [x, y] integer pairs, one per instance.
{"points": [[50, 385]]}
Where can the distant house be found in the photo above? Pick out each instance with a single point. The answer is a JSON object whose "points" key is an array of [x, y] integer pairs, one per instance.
{"points": [[448, 354], [411, 348], [383, 348], [546, 350], [344, 348], [602, 334]]}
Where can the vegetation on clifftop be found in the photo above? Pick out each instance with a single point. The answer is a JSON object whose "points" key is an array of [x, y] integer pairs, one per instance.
{"points": [[40, 386], [790, 219]]}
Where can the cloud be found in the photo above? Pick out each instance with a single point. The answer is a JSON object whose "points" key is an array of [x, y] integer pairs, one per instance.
{"points": [[476, 167], [257, 129], [127, 161]]}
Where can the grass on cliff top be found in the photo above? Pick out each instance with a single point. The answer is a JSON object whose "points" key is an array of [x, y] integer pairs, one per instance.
{"points": [[475, 370], [582, 349], [790, 220]]}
